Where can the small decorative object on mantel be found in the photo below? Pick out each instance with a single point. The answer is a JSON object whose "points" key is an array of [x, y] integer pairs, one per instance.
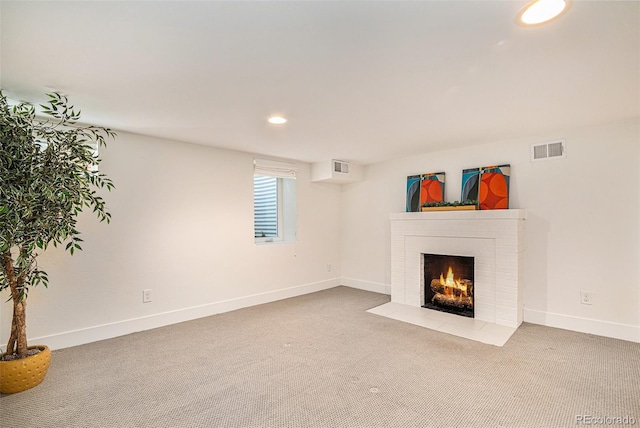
{"points": [[431, 187], [413, 193], [469, 204], [424, 188], [489, 185]]}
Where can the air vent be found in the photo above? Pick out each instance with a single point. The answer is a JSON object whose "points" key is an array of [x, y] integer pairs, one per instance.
{"points": [[546, 151], [336, 171], [341, 167]]}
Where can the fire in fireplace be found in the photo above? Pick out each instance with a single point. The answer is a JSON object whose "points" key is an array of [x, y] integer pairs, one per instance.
{"points": [[448, 284]]}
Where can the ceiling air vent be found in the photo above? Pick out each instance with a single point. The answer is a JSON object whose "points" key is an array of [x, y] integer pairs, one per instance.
{"points": [[341, 167], [551, 150]]}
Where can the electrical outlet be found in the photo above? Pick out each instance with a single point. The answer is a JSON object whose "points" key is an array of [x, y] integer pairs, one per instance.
{"points": [[329, 267], [146, 295], [586, 297]]}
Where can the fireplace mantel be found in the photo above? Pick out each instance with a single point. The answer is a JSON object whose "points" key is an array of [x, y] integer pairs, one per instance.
{"points": [[494, 238], [462, 215]]}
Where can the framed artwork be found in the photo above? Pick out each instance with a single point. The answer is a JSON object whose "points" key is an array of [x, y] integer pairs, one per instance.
{"points": [[494, 187], [413, 193], [470, 184], [422, 188], [489, 185], [432, 187]]}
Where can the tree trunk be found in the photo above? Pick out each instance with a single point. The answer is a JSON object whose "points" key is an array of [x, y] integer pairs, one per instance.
{"points": [[18, 339], [17, 343]]}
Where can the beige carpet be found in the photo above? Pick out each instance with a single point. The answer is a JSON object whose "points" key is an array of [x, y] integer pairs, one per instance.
{"points": [[321, 360]]}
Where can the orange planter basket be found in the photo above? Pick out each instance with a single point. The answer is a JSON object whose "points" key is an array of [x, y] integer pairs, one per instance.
{"points": [[24, 373]]}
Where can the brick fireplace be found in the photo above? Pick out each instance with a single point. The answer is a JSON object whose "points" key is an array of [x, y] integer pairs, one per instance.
{"points": [[495, 240]]}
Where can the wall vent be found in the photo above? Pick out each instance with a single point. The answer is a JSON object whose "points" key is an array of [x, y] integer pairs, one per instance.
{"points": [[336, 171], [546, 151], [340, 167]]}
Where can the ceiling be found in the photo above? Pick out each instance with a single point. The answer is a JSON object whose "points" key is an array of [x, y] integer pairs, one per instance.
{"points": [[360, 81]]}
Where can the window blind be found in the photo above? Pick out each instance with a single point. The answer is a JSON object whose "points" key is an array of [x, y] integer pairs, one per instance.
{"points": [[265, 206], [274, 168]]}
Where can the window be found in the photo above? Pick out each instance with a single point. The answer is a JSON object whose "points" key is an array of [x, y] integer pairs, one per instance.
{"points": [[265, 206], [274, 201]]}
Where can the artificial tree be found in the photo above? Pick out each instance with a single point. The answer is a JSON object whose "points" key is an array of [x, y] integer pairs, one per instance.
{"points": [[48, 175]]}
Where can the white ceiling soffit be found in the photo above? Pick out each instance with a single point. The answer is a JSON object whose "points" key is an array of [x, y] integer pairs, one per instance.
{"points": [[357, 80]]}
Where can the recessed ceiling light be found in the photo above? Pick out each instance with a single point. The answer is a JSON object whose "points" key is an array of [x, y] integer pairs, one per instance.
{"points": [[540, 11], [277, 120]]}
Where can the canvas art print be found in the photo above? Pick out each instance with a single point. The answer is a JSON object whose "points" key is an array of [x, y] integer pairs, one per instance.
{"points": [[489, 185], [413, 193], [470, 184], [432, 187], [422, 188], [494, 187]]}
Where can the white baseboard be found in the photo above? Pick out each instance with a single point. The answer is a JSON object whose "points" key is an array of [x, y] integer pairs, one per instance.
{"points": [[376, 287], [627, 332], [121, 328], [107, 331]]}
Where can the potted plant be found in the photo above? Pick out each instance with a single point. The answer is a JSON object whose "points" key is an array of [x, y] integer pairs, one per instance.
{"points": [[48, 175], [469, 204]]}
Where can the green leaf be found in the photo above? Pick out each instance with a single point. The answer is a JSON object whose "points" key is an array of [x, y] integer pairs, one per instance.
{"points": [[48, 183]]}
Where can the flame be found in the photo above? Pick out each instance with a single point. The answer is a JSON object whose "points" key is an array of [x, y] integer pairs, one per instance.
{"points": [[452, 286]]}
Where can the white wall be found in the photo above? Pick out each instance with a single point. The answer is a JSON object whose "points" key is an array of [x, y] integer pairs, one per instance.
{"points": [[583, 223], [183, 227]]}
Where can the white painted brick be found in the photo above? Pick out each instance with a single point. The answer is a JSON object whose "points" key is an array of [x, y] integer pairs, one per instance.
{"points": [[507, 291], [506, 275], [494, 238], [484, 315], [482, 301], [506, 258], [507, 283], [505, 300], [505, 313], [395, 298], [502, 270]]}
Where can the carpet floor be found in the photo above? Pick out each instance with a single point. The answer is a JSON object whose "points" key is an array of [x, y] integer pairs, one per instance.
{"points": [[320, 360]]}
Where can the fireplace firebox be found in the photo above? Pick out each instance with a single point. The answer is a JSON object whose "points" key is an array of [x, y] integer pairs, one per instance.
{"points": [[448, 284]]}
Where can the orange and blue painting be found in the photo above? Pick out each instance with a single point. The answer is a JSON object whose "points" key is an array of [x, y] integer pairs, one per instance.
{"points": [[413, 193], [489, 185], [431, 187], [423, 188], [470, 184]]}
